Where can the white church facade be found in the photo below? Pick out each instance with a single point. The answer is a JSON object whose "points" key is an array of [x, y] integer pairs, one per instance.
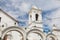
{"points": [[34, 31], [6, 20]]}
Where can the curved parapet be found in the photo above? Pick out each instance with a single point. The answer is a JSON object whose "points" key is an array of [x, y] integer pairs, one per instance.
{"points": [[51, 37], [13, 28], [35, 34]]}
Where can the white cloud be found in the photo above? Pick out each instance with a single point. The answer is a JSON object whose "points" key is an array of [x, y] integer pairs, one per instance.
{"points": [[25, 7], [0, 0], [14, 1], [56, 13], [49, 4], [11, 13], [8, 5], [55, 16]]}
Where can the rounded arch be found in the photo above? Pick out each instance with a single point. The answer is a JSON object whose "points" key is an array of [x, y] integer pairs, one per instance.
{"points": [[51, 37], [14, 28], [36, 16], [37, 31]]}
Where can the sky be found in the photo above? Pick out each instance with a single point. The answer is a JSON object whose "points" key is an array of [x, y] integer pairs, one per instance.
{"points": [[20, 8]]}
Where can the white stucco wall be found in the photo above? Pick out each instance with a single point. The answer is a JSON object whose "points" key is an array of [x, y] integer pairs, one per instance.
{"points": [[6, 21]]}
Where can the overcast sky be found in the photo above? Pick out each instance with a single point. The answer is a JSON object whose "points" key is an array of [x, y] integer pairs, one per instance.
{"points": [[20, 8]]}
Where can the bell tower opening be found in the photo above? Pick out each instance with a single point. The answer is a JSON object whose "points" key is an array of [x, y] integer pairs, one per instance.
{"points": [[0, 19], [36, 16]]}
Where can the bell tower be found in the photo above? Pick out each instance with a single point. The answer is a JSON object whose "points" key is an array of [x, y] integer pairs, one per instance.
{"points": [[35, 15]]}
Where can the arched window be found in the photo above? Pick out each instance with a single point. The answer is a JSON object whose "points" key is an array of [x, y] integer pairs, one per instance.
{"points": [[36, 16], [0, 19]]}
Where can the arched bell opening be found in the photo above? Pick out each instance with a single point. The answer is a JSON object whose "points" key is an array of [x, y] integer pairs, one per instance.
{"points": [[36, 16]]}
